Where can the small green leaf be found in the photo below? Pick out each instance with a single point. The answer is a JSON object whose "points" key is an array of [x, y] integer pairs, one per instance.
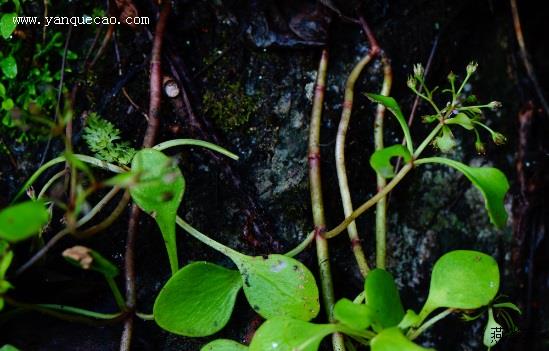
{"points": [[508, 305], [284, 334], [7, 104], [7, 24], [8, 347], [278, 286], [6, 256], [381, 159], [198, 300], [462, 279], [356, 316], [159, 192], [491, 182], [8, 65], [392, 339], [493, 331], [21, 221], [224, 345], [392, 106], [383, 299], [461, 119]]}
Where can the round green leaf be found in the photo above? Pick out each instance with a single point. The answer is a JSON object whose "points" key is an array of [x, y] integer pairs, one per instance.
{"points": [[462, 279], [356, 316], [224, 345], [21, 221], [284, 334], [383, 299], [278, 286], [491, 182], [381, 159], [392, 339], [8, 65], [159, 192], [198, 300], [7, 24], [8, 347], [461, 119]]}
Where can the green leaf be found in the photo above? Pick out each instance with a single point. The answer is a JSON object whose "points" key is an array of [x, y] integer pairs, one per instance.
{"points": [[493, 331], [9, 67], [462, 279], [224, 345], [284, 334], [278, 286], [508, 305], [381, 159], [7, 24], [6, 256], [491, 182], [383, 299], [198, 300], [21, 221], [356, 316], [392, 106], [461, 119], [7, 104], [392, 339], [8, 347], [159, 192]]}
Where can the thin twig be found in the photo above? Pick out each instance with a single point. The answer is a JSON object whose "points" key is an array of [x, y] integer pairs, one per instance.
{"points": [[525, 56], [316, 198]]}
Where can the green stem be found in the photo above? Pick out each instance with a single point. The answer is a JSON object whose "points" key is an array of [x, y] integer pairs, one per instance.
{"points": [[317, 201], [414, 334], [381, 206], [227, 251], [302, 245], [80, 311], [84, 158], [120, 302], [50, 183], [194, 142], [427, 140], [145, 316], [372, 201], [340, 162]]}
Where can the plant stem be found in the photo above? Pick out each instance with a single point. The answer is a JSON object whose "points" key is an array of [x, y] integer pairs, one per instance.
{"points": [[194, 142], [50, 183], [381, 206], [65, 231], [84, 158], [227, 251], [340, 162], [316, 198], [302, 245], [372, 201], [414, 334], [427, 140], [116, 293]]}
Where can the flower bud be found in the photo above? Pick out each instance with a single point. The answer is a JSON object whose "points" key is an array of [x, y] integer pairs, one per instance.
{"points": [[472, 67], [479, 145], [445, 142], [495, 105], [411, 83], [451, 77], [418, 71], [498, 138]]}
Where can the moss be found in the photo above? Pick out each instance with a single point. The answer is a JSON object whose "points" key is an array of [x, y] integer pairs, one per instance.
{"points": [[229, 107]]}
